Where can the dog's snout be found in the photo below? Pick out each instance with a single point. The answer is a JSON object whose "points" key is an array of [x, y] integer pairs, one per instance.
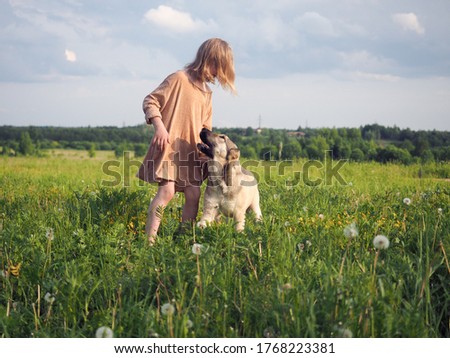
{"points": [[204, 134]]}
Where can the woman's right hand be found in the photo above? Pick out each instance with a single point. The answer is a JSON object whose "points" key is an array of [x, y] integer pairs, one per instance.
{"points": [[161, 137]]}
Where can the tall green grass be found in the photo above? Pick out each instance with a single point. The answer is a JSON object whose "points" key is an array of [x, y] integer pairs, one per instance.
{"points": [[74, 258]]}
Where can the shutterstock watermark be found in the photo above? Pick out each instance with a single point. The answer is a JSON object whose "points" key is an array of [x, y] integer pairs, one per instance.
{"points": [[266, 172]]}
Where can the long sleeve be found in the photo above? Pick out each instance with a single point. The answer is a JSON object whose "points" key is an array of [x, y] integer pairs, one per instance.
{"points": [[154, 102]]}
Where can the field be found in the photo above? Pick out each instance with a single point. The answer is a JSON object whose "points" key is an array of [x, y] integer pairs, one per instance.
{"points": [[74, 257]]}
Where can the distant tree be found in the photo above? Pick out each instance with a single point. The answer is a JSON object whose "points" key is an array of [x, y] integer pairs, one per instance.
{"points": [[268, 152], [91, 151], [118, 151], [140, 149], [427, 156], [393, 154], [357, 155], [26, 146], [317, 148], [292, 150], [249, 132], [248, 152]]}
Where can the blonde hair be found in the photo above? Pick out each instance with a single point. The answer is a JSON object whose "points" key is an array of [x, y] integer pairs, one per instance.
{"points": [[218, 53]]}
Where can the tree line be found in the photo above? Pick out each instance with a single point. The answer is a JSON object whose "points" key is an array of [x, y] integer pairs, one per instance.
{"points": [[366, 143]]}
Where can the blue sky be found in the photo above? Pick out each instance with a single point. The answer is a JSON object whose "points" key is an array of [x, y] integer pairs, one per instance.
{"points": [[315, 63]]}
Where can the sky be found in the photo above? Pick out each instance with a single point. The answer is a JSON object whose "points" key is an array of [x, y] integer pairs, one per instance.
{"points": [[299, 63]]}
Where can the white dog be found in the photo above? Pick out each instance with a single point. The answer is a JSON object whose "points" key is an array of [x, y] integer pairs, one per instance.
{"points": [[231, 190]]}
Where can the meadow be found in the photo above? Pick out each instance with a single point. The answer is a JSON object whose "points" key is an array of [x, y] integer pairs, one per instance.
{"points": [[74, 256]]}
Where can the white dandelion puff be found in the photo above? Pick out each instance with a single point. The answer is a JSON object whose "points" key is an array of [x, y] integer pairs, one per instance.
{"points": [[407, 201], [321, 216], [351, 231], [49, 234], [197, 249], [381, 242], [167, 309], [49, 298], [269, 332], [344, 332], [104, 332]]}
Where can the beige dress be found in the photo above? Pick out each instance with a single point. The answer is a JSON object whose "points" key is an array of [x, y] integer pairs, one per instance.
{"points": [[185, 108]]}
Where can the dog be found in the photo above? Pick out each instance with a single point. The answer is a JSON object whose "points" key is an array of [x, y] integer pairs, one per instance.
{"points": [[231, 189]]}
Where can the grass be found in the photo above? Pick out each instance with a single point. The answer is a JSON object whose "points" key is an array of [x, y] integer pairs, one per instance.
{"points": [[74, 257]]}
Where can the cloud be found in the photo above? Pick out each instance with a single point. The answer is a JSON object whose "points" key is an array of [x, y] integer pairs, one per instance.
{"points": [[409, 22], [70, 56], [176, 21], [316, 24], [376, 76], [365, 61]]}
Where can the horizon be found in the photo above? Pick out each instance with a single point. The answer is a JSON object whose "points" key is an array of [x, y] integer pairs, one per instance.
{"points": [[229, 128]]}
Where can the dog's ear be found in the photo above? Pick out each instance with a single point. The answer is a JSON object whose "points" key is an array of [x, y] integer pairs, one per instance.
{"points": [[233, 154]]}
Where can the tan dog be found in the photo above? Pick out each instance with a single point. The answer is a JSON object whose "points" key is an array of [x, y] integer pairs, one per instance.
{"points": [[231, 189]]}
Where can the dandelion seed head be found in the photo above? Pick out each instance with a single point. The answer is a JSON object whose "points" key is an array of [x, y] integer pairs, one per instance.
{"points": [[407, 201], [49, 234], [197, 249], [321, 216], [351, 231], [104, 332], [344, 332], [49, 298], [167, 309], [269, 332], [381, 242]]}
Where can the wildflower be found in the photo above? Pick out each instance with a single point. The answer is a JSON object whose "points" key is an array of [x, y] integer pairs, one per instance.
{"points": [[153, 334], [321, 216], [197, 249], [269, 332], [167, 309], [351, 231], [49, 234], [344, 333], [104, 332], [49, 298], [14, 269], [381, 242], [407, 201]]}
